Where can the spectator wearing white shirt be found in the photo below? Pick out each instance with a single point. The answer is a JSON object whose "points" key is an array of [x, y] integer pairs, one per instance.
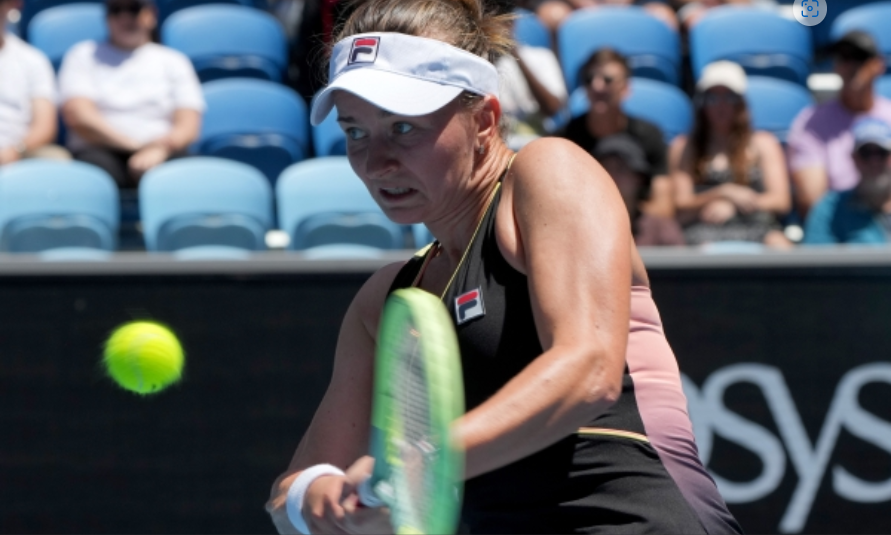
{"points": [[28, 122], [531, 90], [130, 103]]}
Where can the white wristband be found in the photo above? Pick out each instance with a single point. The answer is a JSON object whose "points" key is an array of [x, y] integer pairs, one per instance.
{"points": [[297, 492]]}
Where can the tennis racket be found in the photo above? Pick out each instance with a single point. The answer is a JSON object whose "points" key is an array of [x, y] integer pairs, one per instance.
{"points": [[418, 393]]}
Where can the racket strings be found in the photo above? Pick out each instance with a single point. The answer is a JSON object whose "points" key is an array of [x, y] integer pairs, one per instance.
{"points": [[417, 452]]}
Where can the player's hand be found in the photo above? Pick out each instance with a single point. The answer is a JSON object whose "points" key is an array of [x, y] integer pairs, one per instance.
{"points": [[322, 509], [359, 518], [331, 504], [717, 212]]}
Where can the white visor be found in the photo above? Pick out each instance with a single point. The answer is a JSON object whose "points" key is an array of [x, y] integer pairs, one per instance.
{"points": [[403, 74]]}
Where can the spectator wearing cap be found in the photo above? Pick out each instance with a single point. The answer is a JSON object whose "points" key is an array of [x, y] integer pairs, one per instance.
{"points": [[627, 164], [862, 214], [820, 141], [129, 103], [28, 123], [730, 182], [606, 76]]}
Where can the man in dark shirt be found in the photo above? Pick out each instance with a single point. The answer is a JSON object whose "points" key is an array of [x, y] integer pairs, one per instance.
{"points": [[606, 77]]}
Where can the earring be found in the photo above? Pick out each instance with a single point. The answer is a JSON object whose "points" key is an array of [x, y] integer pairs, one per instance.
{"points": [[481, 150]]}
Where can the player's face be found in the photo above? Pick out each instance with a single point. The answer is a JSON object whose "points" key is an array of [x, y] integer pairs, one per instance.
{"points": [[416, 168]]}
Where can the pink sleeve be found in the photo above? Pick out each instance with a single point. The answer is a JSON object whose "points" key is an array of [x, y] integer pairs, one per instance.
{"points": [[805, 149]]}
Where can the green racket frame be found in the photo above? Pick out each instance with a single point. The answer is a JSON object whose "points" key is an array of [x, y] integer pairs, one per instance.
{"points": [[441, 359]]}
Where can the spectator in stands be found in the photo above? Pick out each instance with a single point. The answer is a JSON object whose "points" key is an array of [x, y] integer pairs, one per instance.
{"points": [[311, 36], [130, 104], [532, 88], [730, 183], [28, 123], [627, 164], [862, 214], [820, 140], [552, 13], [606, 76], [691, 11]]}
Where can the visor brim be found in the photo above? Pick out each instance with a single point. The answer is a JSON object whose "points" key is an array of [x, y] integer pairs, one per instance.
{"points": [[393, 92]]}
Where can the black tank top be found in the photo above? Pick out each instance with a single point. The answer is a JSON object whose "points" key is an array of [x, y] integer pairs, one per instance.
{"points": [[592, 478], [490, 305]]}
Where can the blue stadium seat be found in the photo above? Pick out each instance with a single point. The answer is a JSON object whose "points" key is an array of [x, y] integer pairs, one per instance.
{"points": [[821, 32], [528, 30], [48, 205], [322, 202], [874, 19], [56, 29], [774, 103], [169, 7], [228, 41], [421, 234], [328, 138], [202, 202], [652, 48], [763, 42], [256, 122], [31, 8], [662, 104], [883, 86]]}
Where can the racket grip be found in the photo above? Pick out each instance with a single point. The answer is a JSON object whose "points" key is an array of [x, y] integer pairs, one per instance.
{"points": [[367, 495]]}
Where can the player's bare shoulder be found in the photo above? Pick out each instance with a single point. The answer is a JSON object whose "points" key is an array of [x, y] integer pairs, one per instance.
{"points": [[554, 165], [369, 301]]}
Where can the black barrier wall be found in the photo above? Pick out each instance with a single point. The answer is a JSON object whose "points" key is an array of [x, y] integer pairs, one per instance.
{"points": [[787, 371]]}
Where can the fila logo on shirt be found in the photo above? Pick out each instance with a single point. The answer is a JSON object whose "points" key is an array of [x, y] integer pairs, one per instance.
{"points": [[469, 305], [364, 50]]}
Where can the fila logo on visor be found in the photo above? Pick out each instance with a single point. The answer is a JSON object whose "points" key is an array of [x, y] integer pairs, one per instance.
{"points": [[469, 305], [364, 50]]}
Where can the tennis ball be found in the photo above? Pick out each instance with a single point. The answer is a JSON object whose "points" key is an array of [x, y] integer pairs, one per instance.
{"points": [[143, 357]]}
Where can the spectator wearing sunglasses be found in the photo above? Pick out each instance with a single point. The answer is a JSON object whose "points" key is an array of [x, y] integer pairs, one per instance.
{"points": [[730, 182], [862, 214], [606, 76], [27, 98], [821, 141], [129, 103]]}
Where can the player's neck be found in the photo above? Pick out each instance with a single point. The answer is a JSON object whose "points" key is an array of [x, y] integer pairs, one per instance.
{"points": [[456, 230]]}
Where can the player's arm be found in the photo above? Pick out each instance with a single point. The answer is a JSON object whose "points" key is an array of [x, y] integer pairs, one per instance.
{"points": [[576, 250], [338, 434]]}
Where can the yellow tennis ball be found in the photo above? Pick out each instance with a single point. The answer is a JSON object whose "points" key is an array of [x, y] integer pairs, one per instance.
{"points": [[143, 357]]}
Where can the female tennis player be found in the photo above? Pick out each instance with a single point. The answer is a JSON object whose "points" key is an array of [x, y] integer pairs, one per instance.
{"points": [[576, 421]]}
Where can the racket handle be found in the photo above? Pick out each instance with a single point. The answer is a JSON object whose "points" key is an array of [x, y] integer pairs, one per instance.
{"points": [[367, 495]]}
